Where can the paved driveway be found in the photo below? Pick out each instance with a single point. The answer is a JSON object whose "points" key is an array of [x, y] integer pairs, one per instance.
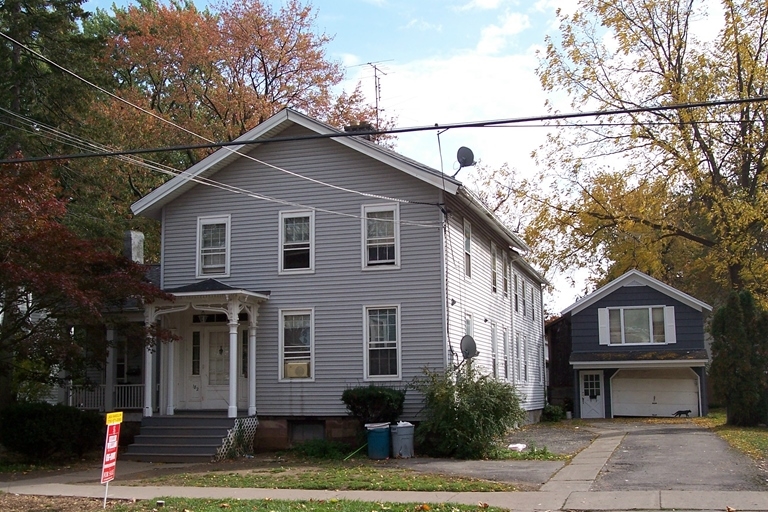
{"points": [[677, 456]]}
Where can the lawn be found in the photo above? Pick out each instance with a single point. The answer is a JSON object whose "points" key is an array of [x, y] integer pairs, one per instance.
{"points": [[750, 440]]}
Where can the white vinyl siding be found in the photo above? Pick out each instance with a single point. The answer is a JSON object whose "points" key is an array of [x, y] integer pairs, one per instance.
{"points": [[297, 241], [494, 269], [382, 342], [296, 344], [645, 325], [381, 236], [213, 236], [467, 249], [494, 351], [505, 342]]}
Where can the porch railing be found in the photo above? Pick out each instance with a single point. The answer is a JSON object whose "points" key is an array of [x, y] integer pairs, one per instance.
{"points": [[127, 396]]}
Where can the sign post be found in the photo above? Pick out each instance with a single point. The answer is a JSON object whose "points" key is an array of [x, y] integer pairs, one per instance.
{"points": [[114, 419]]}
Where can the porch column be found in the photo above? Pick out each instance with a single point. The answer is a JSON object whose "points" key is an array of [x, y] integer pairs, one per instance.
{"points": [[232, 313], [149, 319], [169, 359], [253, 314], [109, 385]]}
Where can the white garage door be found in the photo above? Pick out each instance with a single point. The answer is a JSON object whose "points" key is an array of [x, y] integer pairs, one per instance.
{"points": [[654, 392]]}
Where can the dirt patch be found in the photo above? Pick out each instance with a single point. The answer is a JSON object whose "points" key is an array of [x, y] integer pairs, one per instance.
{"points": [[30, 503], [562, 438]]}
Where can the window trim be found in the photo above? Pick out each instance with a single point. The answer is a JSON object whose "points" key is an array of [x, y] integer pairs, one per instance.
{"points": [[204, 221], [505, 270], [494, 269], [604, 334], [281, 343], [292, 214], [399, 346], [381, 207]]}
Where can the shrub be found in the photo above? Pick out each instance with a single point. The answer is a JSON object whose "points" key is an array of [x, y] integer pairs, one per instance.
{"points": [[374, 404], [38, 430], [467, 414], [321, 449], [552, 413]]}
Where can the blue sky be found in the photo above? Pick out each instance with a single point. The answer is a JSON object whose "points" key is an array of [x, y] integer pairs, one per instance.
{"points": [[446, 61]]}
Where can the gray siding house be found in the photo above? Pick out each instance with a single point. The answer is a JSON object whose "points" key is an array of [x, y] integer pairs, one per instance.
{"points": [[303, 264], [637, 348]]}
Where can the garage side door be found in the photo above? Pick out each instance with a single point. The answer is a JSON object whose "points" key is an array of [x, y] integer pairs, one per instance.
{"points": [[654, 392]]}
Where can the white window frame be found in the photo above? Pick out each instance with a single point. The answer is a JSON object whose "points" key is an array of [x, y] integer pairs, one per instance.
{"points": [[505, 278], [604, 333], [517, 293], [281, 347], [366, 343], [204, 221], [388, 207], [469, 325], [467, 249], [292, 215], [518, 359]]}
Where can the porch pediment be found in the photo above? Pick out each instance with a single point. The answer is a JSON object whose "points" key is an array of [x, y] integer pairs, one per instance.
{"points": [[212, 288]]}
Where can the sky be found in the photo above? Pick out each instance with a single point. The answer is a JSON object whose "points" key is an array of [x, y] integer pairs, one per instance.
{"points": [[442, 62]]}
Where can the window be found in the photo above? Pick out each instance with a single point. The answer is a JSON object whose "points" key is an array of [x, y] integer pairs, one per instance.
{"points": [[213, 246], [382, 342], [494, 272], [518, 372], [467, 249], [381, 233], [637, 325], [523, 305], [533, 305], [297, 237], [505, 343], [468, 325], [525, 358], [296, 344], [505, 270], [517, 295], [244, 354], [494, 351], [196, 353]]}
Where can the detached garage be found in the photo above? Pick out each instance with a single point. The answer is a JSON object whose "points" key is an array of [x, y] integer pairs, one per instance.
{"points": [[655, 392]]}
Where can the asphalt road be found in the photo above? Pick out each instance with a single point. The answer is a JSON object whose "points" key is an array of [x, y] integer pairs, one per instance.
{"points": [[677, 457]]}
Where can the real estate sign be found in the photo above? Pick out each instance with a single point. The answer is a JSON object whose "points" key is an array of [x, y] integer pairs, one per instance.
{"points": [[114, 419]]}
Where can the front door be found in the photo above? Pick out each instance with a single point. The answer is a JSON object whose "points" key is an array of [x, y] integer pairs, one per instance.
{"points": [[207, 369], [592, 395]]}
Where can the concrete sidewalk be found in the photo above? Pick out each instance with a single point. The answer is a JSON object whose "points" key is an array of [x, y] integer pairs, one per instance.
{"points": [[568, 489]]}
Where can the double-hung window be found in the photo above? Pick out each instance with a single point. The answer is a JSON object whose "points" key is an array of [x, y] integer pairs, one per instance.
{"points": [[467, 248], [381, 236], [297, 240], [296, 344], [213, 238], [494, 270], [643, 325], [505, 270], [382, 342], [517, 295]]}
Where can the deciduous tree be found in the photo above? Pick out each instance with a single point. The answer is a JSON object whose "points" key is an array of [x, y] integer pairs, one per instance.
{"points": [[680, 194]]}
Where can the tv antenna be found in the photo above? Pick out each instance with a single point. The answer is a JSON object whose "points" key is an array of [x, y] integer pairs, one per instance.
{"points": [[377, 86]]}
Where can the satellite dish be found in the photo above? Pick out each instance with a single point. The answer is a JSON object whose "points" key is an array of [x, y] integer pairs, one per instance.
{"points": [[468, 347], [466, 158]]}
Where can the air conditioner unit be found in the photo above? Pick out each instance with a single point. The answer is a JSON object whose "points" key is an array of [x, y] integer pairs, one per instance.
{"points": [[296, 370]]}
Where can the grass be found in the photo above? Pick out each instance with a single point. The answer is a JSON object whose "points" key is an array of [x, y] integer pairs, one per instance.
{"points": [[752, 441], [531, 453], [267, 505], [332, 476]]}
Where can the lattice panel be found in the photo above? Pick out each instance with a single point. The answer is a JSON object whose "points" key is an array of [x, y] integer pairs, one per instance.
{"points": [[238, 438]]}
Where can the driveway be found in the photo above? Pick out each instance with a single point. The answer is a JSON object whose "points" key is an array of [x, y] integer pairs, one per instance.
{"points": [[678, 456]]}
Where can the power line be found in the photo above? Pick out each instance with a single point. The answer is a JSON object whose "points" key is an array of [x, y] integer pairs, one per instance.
{"points": [[471, 124]]}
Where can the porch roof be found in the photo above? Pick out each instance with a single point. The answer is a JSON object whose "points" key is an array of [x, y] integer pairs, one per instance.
{"points": [[581, 360], [212, 287]]}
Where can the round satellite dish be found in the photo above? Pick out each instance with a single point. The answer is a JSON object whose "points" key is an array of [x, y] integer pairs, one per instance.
{"points": [[468, 347], [465, 157]]}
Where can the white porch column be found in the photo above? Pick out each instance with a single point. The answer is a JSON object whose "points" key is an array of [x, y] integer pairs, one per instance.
{"points": [[109, 385], [149, 319], [232, 313], [170, 384], [253, 313]]}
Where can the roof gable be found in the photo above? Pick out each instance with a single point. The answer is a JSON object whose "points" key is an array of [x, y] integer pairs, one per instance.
{"points": [[152, 204], [636, 278]]}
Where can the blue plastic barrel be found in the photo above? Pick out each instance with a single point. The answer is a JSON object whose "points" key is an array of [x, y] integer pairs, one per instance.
{"points": [[378, 442]]}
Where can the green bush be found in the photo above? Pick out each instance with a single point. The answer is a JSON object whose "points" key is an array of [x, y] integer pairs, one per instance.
{"points": [[552, 413], [321, 449], [38, 430], [374, 404], [467, 414]]}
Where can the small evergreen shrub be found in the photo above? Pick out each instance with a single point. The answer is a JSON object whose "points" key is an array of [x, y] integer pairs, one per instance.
{"points": [[467, 414], [552, 413], [38, 430], [374, 404]]}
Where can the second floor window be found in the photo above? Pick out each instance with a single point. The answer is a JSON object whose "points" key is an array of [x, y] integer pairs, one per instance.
{"points": [[381, 236], [296, 241], [213, 246]]}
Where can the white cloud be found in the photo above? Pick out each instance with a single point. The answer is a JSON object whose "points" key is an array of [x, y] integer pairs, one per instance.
{"points": [[494, 38], [481, 4], [424, 26]]}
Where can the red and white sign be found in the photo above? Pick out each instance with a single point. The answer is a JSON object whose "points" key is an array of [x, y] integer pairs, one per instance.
{"points": [[110, 447]]}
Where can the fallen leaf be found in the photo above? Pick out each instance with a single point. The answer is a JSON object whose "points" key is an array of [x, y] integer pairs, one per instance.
{"points": [[482, 504]]}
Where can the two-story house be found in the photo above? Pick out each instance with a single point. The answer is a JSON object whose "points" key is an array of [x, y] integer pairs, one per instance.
{"points": [[634, 347], [305, 261]]}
